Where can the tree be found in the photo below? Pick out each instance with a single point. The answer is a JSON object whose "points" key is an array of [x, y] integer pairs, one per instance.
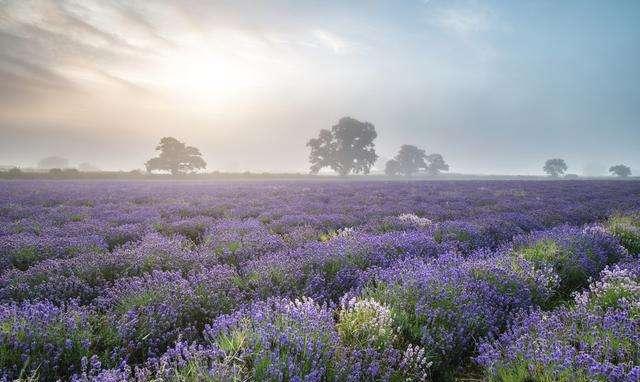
{"points": [[555, 167], [347, 147], [410, 159], [53, 162], [175, 157], [620, 170], [392, 167], [435, 164], [14, 172]]}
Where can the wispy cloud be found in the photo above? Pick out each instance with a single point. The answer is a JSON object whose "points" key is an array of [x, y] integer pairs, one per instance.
{"points": [[469, 22], [463, 20], [332, 41]]}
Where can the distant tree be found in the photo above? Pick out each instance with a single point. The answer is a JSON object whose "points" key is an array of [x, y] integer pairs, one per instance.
{"points": [[392, 167], [555, 167], [14, 172], [410, 159], [53, 162], [435, 164], [620, 170], [87, 167], [347, 147], [175, 157]]}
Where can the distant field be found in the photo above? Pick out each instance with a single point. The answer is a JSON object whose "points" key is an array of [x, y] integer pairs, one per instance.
{"points": [[310, 280]]}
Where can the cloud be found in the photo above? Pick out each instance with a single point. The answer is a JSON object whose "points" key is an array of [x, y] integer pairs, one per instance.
{"points": [[463, 21], [332, 41], [461, 17]]}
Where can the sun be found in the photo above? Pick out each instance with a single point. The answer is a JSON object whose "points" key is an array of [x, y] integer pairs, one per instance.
{"points": [[207, 74]]}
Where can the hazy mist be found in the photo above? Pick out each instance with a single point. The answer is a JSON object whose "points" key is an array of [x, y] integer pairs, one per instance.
{"points": [[495, 86]]}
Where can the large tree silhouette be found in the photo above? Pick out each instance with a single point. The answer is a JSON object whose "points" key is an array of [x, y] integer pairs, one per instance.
{"points": [[555, 167], [348, 147], [435, 164], [410, 159], [620, 170], [175, 157]]}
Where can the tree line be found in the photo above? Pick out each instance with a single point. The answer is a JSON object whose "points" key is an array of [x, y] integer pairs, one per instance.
{"points": [[348, 147], [556, 167]]}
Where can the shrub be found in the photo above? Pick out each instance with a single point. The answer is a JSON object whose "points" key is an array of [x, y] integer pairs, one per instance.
{"points": [[236, 241], [627, 229], [365, 323], [151, 312], [371, 349], [449, 303], [575, 254], [46, 342], [276, 340], [618, 288], [23, 250], [464, 236], [565, 345], [390, 364], [596, 339]]}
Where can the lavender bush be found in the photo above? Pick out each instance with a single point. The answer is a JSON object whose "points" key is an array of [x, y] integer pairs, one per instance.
{"points": [[596, 339]]}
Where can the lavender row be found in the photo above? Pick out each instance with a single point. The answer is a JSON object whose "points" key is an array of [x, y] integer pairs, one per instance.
{"points": [[40, 221]]}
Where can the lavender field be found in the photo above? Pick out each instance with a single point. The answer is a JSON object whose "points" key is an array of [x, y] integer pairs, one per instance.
{"points": [[320, 281]]}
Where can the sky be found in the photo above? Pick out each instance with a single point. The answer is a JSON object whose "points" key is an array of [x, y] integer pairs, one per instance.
{"points": [[496, 87]]}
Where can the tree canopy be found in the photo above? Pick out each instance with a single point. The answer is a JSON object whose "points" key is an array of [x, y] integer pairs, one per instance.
{"points": [[435, 164], [348, 147], [410, 159], [555, 167], [392, 167], [175, 157], [620, 170]]}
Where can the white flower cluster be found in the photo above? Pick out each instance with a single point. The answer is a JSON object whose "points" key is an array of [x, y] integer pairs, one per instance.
{"points": [[414, 220], [414, 362], [367, 321], [542, 278], [345, 232], [341, 232], [303, 304], [615, 282], [381, 312]]}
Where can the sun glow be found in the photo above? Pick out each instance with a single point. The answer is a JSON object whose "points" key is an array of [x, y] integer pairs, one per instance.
{"points": [[221, 71]]}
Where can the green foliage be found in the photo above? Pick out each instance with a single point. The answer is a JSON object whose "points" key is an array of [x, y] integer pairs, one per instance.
{"points": [[525, 371], [348, 147], [401, 300], [67, 333], [627, 229], [620, 170], [555, 167], [548, 253], [146, 298], [24, 257], [366, 323], [176, 157]]}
